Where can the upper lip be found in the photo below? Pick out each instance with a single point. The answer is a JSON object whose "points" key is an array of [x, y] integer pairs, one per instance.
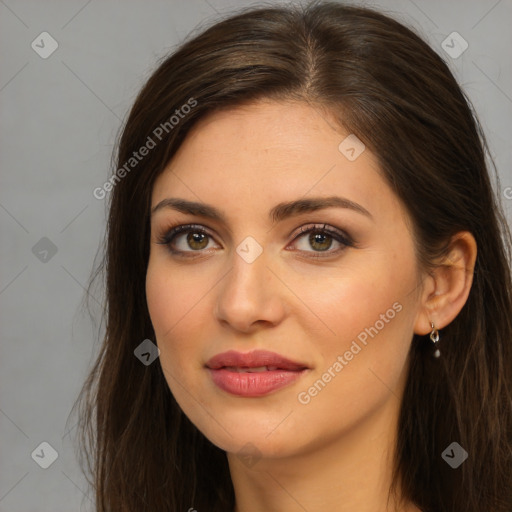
{"points": [[254, 359]]}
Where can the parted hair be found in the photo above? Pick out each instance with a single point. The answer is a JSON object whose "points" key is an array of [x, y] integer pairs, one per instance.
{"points": [[385, 84]]}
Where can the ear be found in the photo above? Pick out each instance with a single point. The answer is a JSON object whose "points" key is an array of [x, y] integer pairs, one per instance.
{"points": [[446, 289]]}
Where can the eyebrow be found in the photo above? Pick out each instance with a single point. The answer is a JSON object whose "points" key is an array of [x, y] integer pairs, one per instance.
{"points": [[278, 213]]}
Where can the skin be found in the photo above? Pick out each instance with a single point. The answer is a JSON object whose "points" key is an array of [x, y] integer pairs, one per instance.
{"points": [[336, 450]]}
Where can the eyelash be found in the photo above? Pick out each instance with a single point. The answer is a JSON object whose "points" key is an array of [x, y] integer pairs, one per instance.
{"points": [[346, 241]]}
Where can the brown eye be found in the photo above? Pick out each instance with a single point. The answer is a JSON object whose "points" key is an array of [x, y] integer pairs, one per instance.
{"points": [[186, 239], [320, 239], [197, 241]]}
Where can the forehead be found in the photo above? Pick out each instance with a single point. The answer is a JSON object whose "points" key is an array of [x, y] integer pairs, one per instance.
{"points": [[294, 131], [272, 152]]}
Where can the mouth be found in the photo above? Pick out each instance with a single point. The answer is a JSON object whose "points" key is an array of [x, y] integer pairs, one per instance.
{"points": [[253, 374], [255, 361]]}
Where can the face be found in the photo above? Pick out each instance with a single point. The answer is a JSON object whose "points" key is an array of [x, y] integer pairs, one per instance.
{"points": [[332, 287]]}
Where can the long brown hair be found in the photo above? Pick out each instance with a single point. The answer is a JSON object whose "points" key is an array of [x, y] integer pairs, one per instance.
{"points": [[387, 86]]}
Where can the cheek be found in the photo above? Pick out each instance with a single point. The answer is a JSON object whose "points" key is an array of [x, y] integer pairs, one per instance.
{"points": [[178, 307], [357, 296], [167, 309], [171, 294], [369, 314], [161, 302]]}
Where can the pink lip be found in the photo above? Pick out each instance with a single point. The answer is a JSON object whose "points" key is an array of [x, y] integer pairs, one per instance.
{"points": [[253, 360], [223, 370]]}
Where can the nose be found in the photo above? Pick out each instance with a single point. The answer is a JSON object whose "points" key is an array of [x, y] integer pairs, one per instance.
{"points": [[249, 296]]}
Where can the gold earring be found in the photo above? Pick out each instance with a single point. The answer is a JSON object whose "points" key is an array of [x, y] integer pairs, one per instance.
{"points": [[434, 336]]}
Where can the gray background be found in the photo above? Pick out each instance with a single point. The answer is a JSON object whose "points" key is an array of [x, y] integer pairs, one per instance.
{"points": [[59, 120]]}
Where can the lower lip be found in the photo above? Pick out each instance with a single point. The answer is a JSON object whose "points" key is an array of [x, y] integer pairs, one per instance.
{"points": [[253, 384]]}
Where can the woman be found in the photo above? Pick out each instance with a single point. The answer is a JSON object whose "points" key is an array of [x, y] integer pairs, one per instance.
{"points": [[303, 223]]}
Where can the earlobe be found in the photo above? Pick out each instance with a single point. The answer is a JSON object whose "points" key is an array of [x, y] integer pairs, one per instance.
{"points": [[447, 288]]}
